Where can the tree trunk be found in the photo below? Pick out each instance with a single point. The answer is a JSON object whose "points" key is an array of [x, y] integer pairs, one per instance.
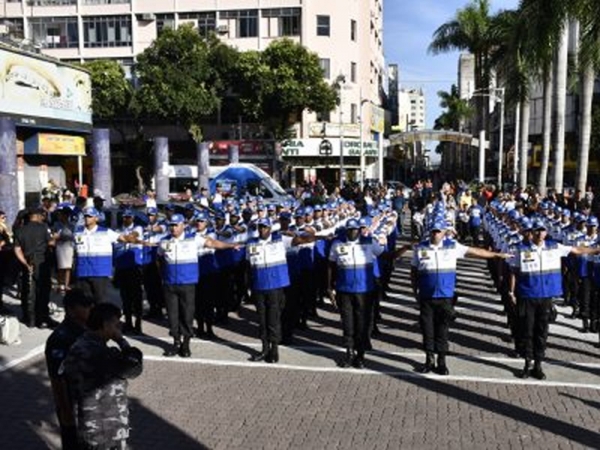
{"points": [[524, 142], [546, 133], [588, 78], [560, 93]]}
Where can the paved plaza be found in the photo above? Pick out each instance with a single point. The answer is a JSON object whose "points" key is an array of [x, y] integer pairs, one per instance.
{"points": [[218, 399]]}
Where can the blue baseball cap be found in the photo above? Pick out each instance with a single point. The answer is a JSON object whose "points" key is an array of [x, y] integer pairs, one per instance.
{"points": [[299, 212], [566, 212], [128, 213], [592, 221], [90, 211], [202, 216], [352, 224], [286, 215], [176, 219], [365, 222], [539, 224], [151, 211], [308, 210], [264, 222], [438, 225], [318, 208], [526, 223]]}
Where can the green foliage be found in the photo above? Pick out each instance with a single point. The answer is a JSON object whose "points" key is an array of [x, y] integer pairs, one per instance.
{"points": [[456, 110], [111, 92], [177, 80], [276, 85]]}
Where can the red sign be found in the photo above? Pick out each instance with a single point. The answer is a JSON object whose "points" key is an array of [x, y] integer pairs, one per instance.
{"points": [[264, 148]]}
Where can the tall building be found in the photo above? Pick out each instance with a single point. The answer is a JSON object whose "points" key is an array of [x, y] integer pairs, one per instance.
{"points": [[466, 75], [393, 98], [412, 109], [346, 34]]}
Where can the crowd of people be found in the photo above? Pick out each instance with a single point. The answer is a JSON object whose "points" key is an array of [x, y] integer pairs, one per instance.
{"points": [[198, 262]]}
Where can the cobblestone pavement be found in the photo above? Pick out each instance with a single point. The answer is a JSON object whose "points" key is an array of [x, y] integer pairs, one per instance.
{"points": [[218, 399]]}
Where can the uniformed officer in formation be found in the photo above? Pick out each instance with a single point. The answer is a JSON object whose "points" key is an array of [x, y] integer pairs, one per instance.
{"points": [[535, 281], [433, 276], [178, 256]]}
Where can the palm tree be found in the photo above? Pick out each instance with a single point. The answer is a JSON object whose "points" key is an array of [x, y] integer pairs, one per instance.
{"points": [[469, 31], [509, 35], [545, 19], [588, 14]]}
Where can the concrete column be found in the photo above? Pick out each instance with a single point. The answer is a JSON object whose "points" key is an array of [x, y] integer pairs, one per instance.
{"points": [[161, 168], [481, 172], [234, 154], [203, 158], [102, 174], [9, 188]]}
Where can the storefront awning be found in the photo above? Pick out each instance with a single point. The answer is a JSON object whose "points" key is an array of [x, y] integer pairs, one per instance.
{"points": [[55, 144]]}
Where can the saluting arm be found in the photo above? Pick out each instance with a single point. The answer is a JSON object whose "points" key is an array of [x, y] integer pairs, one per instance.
{"points": [[220, 245], [581, 251], [485, 254]]}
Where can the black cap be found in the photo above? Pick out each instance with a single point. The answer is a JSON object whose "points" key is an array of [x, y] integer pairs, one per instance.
{"points": [[77, 297]]}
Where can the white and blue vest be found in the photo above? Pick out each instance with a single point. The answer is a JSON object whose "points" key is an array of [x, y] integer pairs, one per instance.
{"points": [[355, 261], [539, 271], [180, 259], [268, 263], [437, 269], [94, 252]]}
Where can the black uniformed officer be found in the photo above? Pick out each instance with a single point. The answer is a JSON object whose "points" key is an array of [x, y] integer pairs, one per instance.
{"points": [[32, 243], [77, 308]]}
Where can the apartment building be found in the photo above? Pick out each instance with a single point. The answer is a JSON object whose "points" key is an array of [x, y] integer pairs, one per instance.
{"points": [[347, 34], [412, 109]]}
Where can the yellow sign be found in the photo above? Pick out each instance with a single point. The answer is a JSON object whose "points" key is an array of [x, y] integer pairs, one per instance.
{"points": [[55, 144], [377, 119]]}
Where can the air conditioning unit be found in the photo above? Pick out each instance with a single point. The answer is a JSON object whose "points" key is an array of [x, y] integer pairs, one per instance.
{"points": [[147, 17], [222, 29], [4, 29]]}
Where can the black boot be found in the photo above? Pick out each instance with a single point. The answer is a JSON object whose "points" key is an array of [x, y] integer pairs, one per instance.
{"points": [[594, 326], [174, 350], [575, 313], [348, 359], [262, 356], [273, 356], [137, 328], [128, 325], [586, 326], [537, 371], [526, 372], [429, 363], [359, 360], [184, 350], [442, 368], [210, 334]]}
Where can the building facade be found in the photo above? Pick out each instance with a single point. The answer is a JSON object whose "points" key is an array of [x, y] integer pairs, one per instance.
{"points": [[346, 34], [412, 109]]}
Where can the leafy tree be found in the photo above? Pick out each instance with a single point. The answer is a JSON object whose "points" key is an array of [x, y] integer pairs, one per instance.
{"points": [[111, 92], [177, 80], [276, 85]]}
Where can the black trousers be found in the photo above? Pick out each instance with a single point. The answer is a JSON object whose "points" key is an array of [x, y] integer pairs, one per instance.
{"points": [[595, 304], [129, 282], [269, 305], [290, 317], [35, 293], [96, 287], [224, 280], [181, 301], [355, 310], [434, 319], [584, 295], [308, 292], [153, 287], [536, 319], [205, 301]]}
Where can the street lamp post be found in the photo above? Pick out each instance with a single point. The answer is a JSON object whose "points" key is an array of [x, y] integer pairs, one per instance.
{"points": [[341, 81], [498, 95], [362, 152]]}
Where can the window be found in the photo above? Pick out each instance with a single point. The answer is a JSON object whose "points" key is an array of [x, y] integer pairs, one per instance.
{"points": [[205, 22], [289, 20], [325, 64], [353, 72], [324, 116], [104, 2], [51, 2], [164, 21], [15, 27], [353, 113], [246, 21], [107, 31], [323, 26], [55, 32], [353, 30]]}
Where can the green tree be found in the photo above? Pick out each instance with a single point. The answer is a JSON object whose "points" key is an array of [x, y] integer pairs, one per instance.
{"points": [[469, 30], [111, 92], [276, 85], [177, 80]]}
